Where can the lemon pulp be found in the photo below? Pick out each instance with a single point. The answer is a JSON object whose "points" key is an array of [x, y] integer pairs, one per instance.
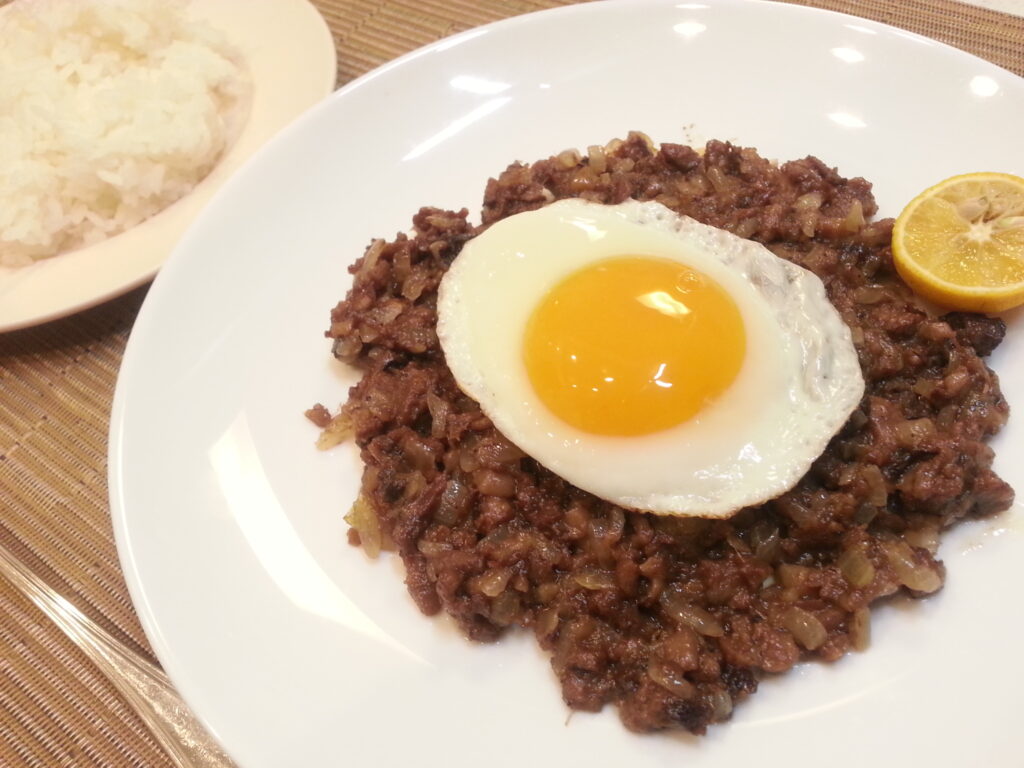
{"points": [[960, 243]]}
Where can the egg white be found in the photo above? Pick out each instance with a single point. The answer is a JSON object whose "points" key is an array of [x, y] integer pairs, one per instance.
{"points": [[799, 381]]}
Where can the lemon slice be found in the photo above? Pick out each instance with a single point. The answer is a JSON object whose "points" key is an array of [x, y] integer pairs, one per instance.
{"points": [[961, 242]]}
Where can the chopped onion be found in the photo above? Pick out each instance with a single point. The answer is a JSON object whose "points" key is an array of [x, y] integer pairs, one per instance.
{"points": [[919, 577], [454, 503], [547, 622], [371, 257], [414, 285], [912, 434], [860, 629], [505, 608], [568, 158], [420, 455], [432, 548], [717, 178], [444, 222], [746, 227], [493, 582], [677, 607], [806, 208], [721, 704], [609, 526], [805, 627], [388, 312], [363, 518], [401, 265], [491, 483], [869, 294], [738, 544], [878, 493], [547, 592], [810, 201], [847, 474], [924, 387], [590, 577], [766, 542], [583, 179], [347, 348], [956, 382], [669, 677], [414, 485], [925, 538], [439, 412], [499, 452], [854, 219], [336, 432], [856, 567], [790, 575], [468, 461]]}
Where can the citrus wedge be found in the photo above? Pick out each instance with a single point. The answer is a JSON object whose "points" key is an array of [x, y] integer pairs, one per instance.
{"points": [[961, 242]]}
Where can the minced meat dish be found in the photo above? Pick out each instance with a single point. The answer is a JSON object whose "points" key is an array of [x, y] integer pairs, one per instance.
{"points": [[672, 619]]}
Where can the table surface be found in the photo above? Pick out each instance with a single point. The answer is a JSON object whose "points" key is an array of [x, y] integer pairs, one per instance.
{"points": [[57, 381]]}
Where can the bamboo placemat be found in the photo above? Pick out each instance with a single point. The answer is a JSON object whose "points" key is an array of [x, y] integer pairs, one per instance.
{"points": [[57, 381]]}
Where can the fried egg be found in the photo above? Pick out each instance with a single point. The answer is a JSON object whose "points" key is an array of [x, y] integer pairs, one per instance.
{"points": [[656, 362]]}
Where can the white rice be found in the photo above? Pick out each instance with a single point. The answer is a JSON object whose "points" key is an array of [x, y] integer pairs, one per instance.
{"points": [[110, 110]]}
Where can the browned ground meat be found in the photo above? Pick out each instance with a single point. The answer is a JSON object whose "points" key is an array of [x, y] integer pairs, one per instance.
{"points": [[672, 619]]}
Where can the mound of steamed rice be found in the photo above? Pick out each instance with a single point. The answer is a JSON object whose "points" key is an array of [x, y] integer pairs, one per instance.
{"points": [[110, 110]]}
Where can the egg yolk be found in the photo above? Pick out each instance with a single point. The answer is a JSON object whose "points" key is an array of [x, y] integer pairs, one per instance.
{"points": [[633, 345]]}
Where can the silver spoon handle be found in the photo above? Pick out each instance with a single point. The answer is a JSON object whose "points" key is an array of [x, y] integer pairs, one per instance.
{"points": [[145, 687]]}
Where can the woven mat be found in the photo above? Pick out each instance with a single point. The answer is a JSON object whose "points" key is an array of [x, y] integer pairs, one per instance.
{"points": [[56, 385]]}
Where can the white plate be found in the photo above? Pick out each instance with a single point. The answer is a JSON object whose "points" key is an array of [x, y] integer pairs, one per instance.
{"points": [[297, 650], [290, 54]]}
